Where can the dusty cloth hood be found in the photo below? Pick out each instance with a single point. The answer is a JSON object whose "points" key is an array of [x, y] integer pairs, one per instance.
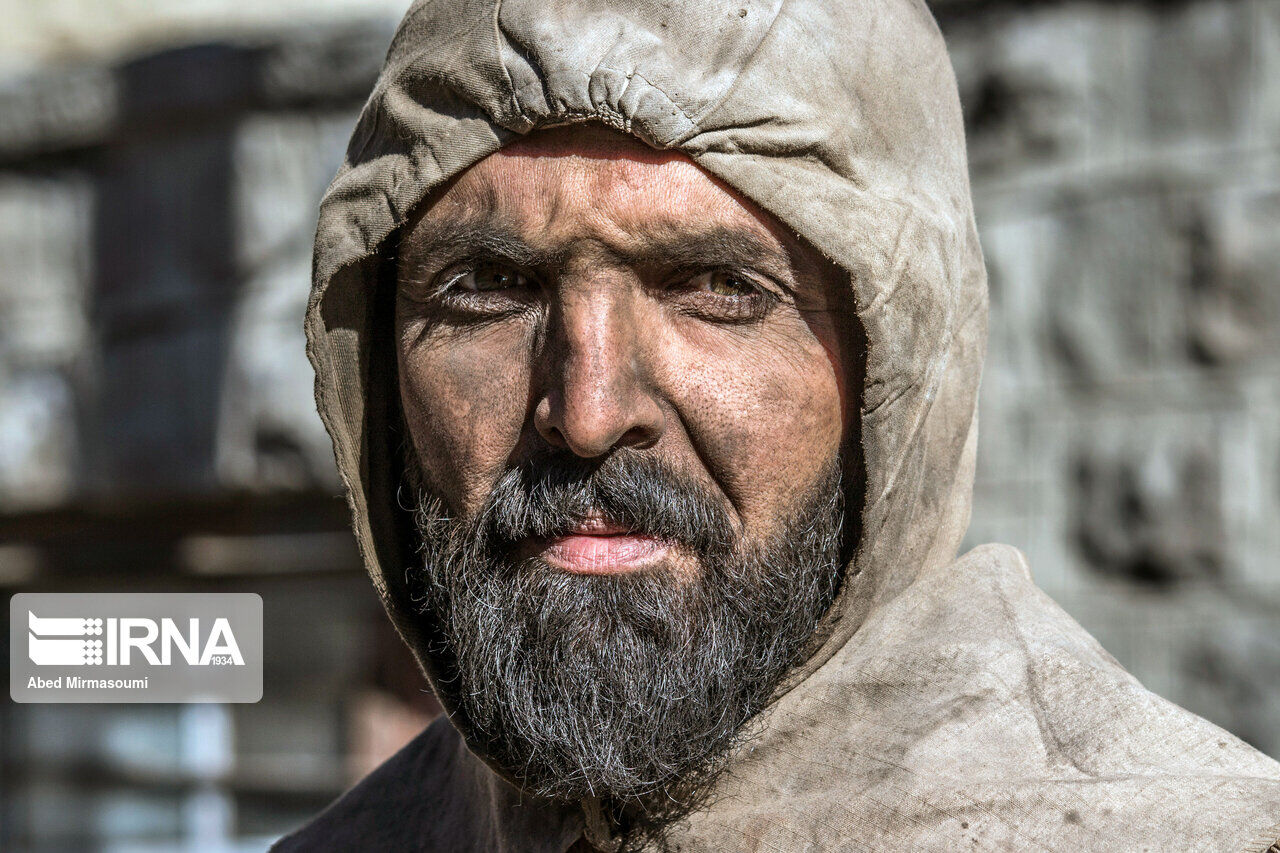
{"points": [[842, 119]]}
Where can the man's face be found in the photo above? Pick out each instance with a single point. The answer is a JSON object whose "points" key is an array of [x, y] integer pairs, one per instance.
{"points": [[580, 291], [627, 391]]}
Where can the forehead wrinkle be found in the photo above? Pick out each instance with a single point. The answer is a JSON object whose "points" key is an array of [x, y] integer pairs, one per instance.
{"points": [[612, 187]]}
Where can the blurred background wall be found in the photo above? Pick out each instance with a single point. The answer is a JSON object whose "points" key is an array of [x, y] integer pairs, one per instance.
{"points": [[160, 166]]}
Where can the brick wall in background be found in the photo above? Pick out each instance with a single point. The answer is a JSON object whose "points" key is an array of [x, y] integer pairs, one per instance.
{"points": [[1126, 168]]}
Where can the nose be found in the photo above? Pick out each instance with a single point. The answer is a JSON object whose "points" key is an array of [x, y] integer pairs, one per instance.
{"points": [[596, 395]]}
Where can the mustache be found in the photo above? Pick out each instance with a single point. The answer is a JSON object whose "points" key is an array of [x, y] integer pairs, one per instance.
{"points": [[550, 493]]}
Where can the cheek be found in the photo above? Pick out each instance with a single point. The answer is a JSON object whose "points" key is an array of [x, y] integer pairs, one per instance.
{"points": [[464, 414], [764, 412]]}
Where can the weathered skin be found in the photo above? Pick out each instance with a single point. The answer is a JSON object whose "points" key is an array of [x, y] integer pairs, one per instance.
{"points": [[636, 338]]}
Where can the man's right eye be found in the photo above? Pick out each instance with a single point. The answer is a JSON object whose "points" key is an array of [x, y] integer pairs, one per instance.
{"points": [[488, 278]]}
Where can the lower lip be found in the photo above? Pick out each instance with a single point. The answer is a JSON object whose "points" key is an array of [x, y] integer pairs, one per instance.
{"points": [[602, 555]]}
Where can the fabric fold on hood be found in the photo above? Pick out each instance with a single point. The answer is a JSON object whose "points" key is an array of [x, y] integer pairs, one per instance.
{"points": [[842, 119]]}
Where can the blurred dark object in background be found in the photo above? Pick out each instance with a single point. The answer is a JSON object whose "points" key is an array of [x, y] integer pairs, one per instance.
{"points": [[157, 430]]}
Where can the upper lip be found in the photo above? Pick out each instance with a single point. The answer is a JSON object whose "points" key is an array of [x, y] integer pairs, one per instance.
{"points": [[597, 525]]}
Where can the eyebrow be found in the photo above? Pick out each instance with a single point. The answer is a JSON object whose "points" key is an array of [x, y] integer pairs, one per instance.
{"points": [[670, 246], [716, 245], [461, 237]]}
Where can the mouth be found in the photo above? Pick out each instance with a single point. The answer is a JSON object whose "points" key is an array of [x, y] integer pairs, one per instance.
{"points": [[597, 546]]}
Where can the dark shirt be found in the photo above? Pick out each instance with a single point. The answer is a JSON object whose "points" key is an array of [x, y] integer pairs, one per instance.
{"points": [[434, 796]]}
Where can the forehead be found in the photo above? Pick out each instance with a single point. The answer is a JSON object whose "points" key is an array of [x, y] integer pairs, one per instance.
{"points": [[590, 181]]}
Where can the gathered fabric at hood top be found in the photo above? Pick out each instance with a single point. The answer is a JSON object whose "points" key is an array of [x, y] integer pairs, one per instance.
{"points": [[946, 704]]}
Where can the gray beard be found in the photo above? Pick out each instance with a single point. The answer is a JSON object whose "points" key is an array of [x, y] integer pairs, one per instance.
{"points": [[633, 688]]}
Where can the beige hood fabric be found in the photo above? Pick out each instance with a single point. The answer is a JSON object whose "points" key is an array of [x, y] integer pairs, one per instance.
{"points": [[947, 704]]}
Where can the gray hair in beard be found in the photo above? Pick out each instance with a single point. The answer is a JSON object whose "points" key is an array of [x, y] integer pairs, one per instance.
{"points": [[630, 688]]}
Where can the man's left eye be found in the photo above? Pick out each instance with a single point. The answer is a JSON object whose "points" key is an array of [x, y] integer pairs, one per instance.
{"points": [[490, 277], [723, 283]]}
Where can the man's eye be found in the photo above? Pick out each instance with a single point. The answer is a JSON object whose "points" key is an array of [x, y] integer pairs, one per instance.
{"points": [[488, 278], [723, 283], [723, 296]]}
